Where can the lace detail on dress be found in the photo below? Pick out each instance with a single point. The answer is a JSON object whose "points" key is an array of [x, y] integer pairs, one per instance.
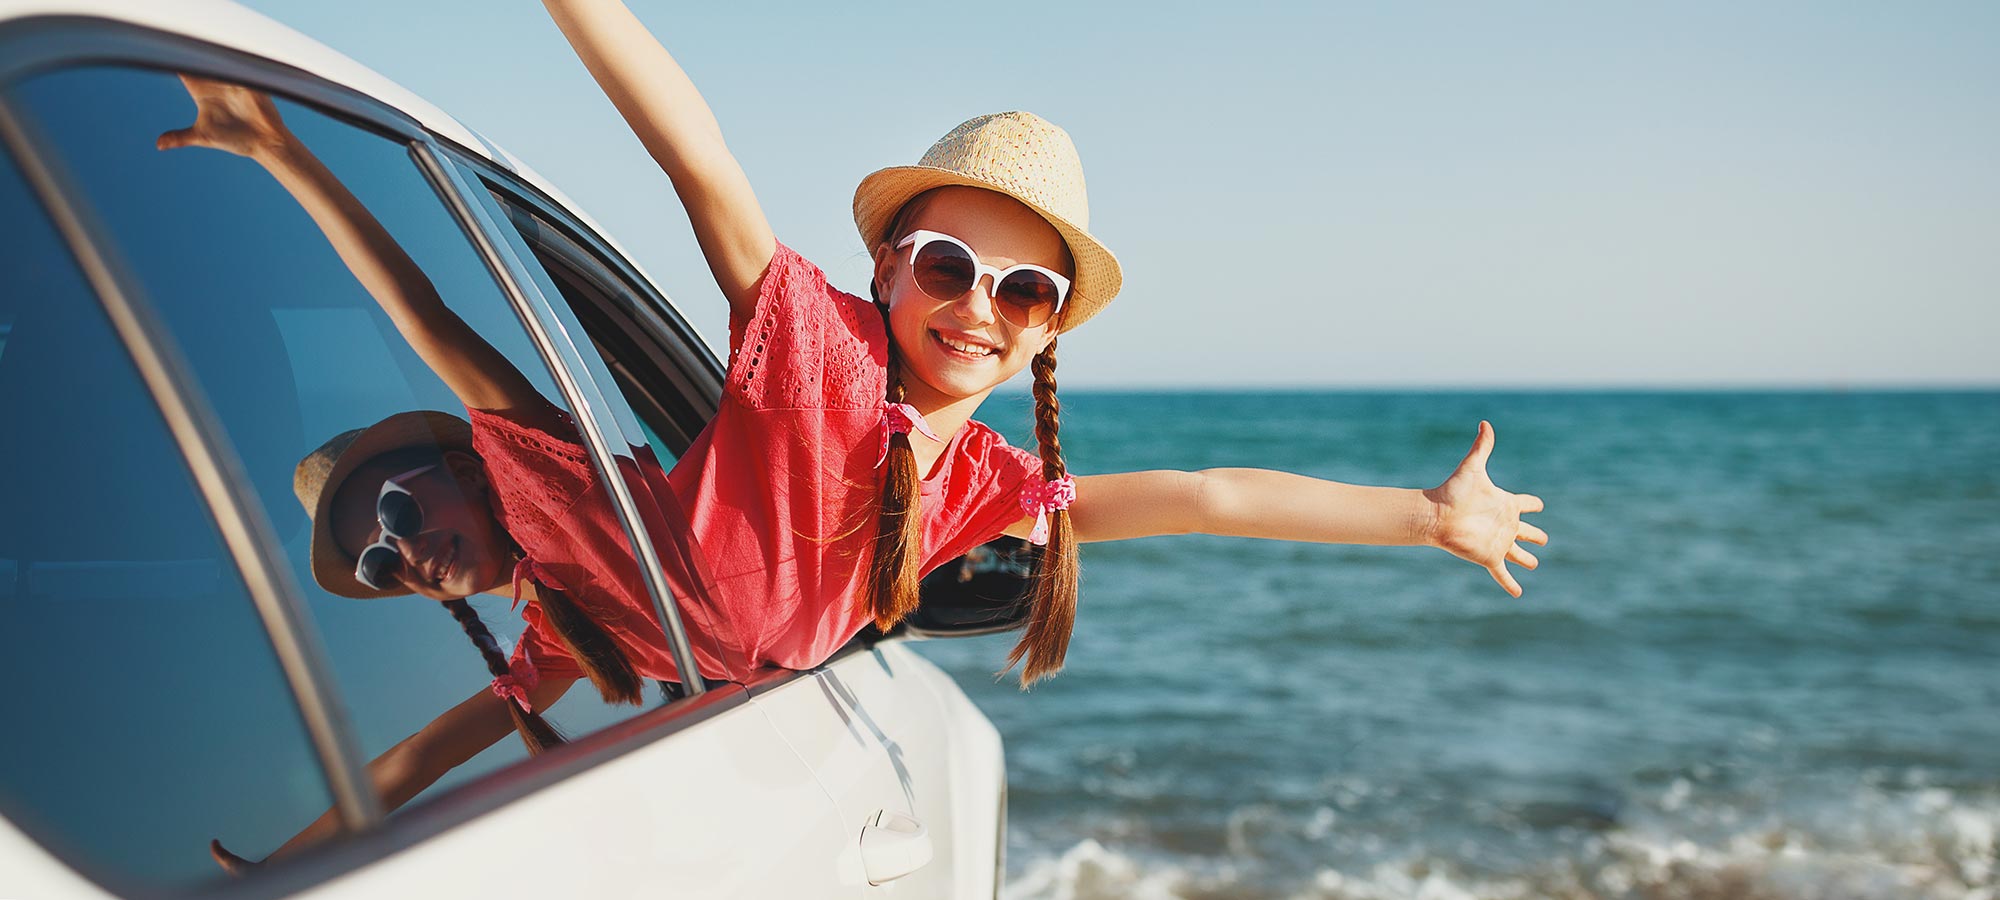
{"points": [[541, 443], [809, 345], [535, 475]]}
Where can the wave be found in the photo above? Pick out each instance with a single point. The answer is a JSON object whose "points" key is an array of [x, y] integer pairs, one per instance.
{"points": [[1921, 844]]}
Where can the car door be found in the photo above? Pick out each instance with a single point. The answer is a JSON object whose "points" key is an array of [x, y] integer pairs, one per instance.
{"points": [[276, 338]]}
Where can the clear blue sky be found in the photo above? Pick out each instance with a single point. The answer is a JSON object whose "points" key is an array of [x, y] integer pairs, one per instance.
{"points": [[1469, 195]]}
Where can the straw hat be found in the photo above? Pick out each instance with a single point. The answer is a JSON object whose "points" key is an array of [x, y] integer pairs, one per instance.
{"points": [[319, 476], [1019, 154]]}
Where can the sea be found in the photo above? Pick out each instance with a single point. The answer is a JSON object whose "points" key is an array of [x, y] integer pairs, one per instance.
{"points": [[1760, 659]]}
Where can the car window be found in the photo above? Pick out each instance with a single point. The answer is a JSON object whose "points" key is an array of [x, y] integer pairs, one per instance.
{"points": [[146, 711], [369, 371], [661, 372], [666, 391]]}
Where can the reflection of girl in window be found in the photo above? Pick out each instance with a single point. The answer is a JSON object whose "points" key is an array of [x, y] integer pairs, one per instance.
{"points": [[430, 504]]}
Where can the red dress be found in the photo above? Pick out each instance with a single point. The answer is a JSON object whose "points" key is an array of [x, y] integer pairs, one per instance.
{"points": [[765, 524]]}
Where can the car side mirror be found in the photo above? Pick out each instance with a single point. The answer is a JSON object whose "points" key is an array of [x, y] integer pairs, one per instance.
{"points": [[982, 592]]}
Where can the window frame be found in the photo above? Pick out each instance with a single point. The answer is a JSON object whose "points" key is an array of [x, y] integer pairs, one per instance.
{"points": [[663, 323], [33, 45]]}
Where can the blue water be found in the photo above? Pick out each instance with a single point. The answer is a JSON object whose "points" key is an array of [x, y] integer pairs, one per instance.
{"points": [[1758, 660]]}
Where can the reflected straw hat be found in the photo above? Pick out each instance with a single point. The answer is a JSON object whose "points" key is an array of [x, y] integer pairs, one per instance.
{"points": [[1023, 156], [318, 478]]}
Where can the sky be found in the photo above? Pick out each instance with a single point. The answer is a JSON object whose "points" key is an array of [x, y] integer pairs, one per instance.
{"points": [[1556, 194]]}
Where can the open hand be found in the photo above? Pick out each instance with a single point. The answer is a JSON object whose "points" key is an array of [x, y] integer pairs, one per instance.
{"points": [[1478, 522], [230, 862], [228, 117]]}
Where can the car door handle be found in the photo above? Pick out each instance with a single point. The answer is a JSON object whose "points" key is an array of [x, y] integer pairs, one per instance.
{"points": [[893, 845]]}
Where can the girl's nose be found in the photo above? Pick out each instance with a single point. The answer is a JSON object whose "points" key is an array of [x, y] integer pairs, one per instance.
{"points": [[976, 306], [411, 548]]}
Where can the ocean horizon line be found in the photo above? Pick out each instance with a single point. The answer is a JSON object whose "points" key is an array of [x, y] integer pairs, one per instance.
{"points": [[1633, 389]]}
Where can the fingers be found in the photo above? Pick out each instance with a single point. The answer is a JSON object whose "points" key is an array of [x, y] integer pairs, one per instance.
{"points": [[1519, 556], [1532, 535], [1506, 578], [179, 137], [1529, 502]]}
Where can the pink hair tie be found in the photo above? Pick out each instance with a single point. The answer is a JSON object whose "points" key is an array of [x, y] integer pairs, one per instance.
{"points": [[521, 678], [1043, 497], [901, 418], [535, 573]]}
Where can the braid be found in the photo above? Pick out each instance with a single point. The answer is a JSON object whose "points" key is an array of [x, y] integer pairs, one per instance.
{"points": [[894, 572], [1048, 411], [592, 647], [535, 731], [1052, 610]]}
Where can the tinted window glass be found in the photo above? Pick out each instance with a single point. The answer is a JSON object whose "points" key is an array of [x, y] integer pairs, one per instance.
{"points": [[663, 377], [145, 710], [663, 389], [344, 327]]}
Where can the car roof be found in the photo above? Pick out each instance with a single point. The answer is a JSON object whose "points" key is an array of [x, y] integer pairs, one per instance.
{"points": [[247, 31]]}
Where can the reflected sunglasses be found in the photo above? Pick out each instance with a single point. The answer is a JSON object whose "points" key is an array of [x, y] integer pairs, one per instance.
{"points": [[400, 516], [945, 269]]}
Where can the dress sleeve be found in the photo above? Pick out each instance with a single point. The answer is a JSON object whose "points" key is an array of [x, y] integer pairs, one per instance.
{"points": [[807, 344], [541, 647], [536, 474], [992, 500]]}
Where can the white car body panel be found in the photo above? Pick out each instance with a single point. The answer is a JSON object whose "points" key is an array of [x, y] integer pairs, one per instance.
{"points": [[868, 708], [689, 816]]}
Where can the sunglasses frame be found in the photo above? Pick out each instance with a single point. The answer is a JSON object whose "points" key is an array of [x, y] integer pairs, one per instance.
{"points": [[918, 239], [389, 486]]}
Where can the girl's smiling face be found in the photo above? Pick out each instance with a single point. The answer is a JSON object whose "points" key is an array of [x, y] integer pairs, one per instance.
{"points": [[461, 549], [961, 348]]}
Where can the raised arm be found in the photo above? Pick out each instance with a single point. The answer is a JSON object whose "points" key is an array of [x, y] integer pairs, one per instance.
{"points": [[1467, 515], [418, 761], [239, 120], [663, 108]]}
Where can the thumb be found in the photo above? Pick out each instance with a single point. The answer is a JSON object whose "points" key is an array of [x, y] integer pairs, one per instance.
{"points": [[179, 137], [230, 862], [1482, 447]]}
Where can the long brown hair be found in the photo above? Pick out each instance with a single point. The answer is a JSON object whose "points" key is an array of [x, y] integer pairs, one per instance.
{"points": [[896, 568], [1052, 607], [535, 731], [588, 643]]}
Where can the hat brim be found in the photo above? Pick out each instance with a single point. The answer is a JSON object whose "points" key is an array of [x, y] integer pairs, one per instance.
{"points": [[332, 567], [883, 193]]}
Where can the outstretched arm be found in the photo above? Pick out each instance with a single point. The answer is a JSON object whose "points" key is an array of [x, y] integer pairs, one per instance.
{"points": [[1467, 516], [243, 121], [663, 108], [418, 761]]}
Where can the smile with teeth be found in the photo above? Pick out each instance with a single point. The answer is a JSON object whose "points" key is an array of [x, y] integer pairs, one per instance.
{"points": [[442, 569], [965, 348]]}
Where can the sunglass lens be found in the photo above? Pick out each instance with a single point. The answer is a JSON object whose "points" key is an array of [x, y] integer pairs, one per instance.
{"points": [[400, 515], [944, 270], [378, 566], [1028, 298]]}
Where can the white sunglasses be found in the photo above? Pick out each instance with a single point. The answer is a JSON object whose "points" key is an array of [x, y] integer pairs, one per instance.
{"points": [[400, 516], [945, 268]]}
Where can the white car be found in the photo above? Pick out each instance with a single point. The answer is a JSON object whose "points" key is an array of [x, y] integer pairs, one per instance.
{"points": [[176, 332]]}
